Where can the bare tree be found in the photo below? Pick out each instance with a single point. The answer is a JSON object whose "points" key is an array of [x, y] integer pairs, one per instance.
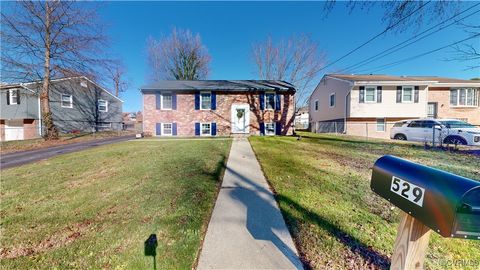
{"points": [[42, 40], [117, 73], [180, 56], [297, 60]]}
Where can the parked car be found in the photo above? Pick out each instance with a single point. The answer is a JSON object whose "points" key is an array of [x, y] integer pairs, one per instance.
{"points": [[448, 131]]}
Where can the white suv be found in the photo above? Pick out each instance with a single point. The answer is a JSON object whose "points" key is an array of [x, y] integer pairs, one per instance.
{"points": [[449, 131]]}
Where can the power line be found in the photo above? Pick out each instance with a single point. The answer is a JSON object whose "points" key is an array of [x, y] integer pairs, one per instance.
{"points": [[422, 54], [375, 37], [384, 52]]}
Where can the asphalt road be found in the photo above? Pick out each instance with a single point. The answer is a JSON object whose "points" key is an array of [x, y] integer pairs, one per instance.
{"points": [[24, 157]]}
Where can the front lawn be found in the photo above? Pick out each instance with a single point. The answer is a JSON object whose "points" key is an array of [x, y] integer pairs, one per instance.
{"points": [[94, 209], [322, 185]]}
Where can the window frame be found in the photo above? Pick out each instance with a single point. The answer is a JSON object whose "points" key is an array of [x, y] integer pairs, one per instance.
{"points": [[330, 100], [10, 97], [106, 105], [475, 97], [163, 129], [374, 94], [209, 127], [315, 105], [384, 124], [412, 95], [161, 101], [265, 128], [266, 101], [201, 100], [71, 101]]}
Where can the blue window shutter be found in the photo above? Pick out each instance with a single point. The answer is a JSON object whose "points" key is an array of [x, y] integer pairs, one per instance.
{"points": [[214, 101], [417, 94], [197, 100], [361, 98], [262, 129], [214, 129], [159, 129], [157, 101], [278, 128], [174, 129], [174, 101], [379, 94], [262, 101], [197, 129], [277, 102]]}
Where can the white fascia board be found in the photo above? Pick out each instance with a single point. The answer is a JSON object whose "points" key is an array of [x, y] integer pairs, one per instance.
{"points": [[474, 84]]}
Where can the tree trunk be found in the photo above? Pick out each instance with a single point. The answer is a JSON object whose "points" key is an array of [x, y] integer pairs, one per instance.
{"points": [[50, 131]]}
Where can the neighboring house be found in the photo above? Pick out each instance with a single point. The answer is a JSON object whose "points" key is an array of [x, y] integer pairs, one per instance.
{"points": [[218, 107], [301, 118], [454, 98], [132, 121], [369, 105], [77, 104]]}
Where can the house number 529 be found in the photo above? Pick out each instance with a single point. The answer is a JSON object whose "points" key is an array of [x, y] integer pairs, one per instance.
{"points": [[407, 190]]}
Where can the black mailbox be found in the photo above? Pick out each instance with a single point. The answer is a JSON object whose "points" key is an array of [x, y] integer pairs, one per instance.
{"points": [[447, 203]]}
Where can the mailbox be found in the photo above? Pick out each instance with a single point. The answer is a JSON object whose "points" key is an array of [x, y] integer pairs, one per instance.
{"points": [[447, 203]]}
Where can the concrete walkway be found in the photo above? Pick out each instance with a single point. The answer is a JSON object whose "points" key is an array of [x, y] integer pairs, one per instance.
{"points": [[247, 230]]}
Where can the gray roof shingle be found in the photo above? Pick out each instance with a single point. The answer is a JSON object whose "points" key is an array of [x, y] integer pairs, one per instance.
{"points": [[220, 85]]}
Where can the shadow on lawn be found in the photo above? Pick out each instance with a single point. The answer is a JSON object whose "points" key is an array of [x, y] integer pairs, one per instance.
{"points": [[258, 207], [355, 245]]}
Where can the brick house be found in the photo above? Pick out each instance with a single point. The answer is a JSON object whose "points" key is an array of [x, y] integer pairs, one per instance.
{"points": [[218, 108]]}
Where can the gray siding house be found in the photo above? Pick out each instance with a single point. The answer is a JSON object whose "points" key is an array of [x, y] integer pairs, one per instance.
{"points": [[77, 105]]}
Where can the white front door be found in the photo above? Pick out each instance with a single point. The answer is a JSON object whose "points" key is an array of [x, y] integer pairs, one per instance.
{"points": [[240, 118], [13, 130]]}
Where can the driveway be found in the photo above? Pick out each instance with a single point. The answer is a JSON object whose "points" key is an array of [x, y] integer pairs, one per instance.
{"points": [[24, 157]]}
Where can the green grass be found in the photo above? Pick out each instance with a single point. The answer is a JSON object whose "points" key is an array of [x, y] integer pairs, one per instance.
{"points": [[94, 209], [322, 187]]}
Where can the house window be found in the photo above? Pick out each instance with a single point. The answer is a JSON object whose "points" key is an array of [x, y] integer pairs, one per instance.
{"points": [[332, 100], [371, 94], [166, 101], [167, 129], [206, 129], [381, 124], [464, 97], [407, 94], [270, 101], [102, 105], [205, 101], [269, 128], [67, 101], [104, 125], [13, 96], [316, 105]]}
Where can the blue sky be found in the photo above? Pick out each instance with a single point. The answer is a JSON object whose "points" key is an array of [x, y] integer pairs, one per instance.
{"points": [[228, 30]]}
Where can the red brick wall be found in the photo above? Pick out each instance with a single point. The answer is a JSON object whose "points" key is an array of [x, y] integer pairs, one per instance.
{"points": [[445, 110], [185, 116]]}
